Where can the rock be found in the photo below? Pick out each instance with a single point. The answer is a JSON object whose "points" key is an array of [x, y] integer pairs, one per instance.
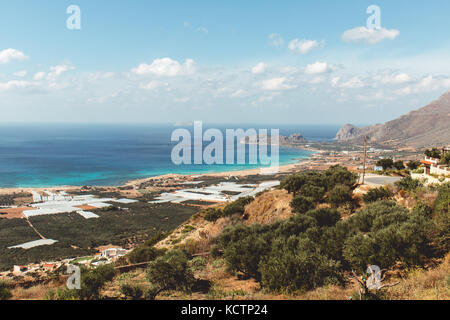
{"points": [[347, 132]]}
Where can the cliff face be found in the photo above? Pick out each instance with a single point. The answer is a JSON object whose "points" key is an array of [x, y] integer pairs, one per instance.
{"points": [[425, 127]]}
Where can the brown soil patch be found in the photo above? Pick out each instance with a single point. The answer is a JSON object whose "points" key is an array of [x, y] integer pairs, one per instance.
{"points": [[14, 213], [269, 207], [87, 207]]}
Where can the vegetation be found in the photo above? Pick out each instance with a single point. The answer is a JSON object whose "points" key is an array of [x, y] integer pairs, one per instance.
{"points": [[445, 159], [340, 195], [408, 184], [413, 164], [92, 280], [433, 153], [316, 248], [79, 237], [235, 207], [5, 292], [131, 292], [381, 193], [334, 186], [399, 165], [441, 217], [385, 163], [170, 272]]}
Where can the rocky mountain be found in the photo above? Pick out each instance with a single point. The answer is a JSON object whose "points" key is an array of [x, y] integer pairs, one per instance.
{"points": [[425, 127]]}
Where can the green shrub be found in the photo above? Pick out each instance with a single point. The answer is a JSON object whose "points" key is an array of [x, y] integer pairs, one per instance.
{"points": [[62, 294], [170, 272], [381, 193], [408, 184], [144, 253], [235, 207], [325, 217], [5, 292], [301, 204], [385, 163], [413, 164], [93, 280], [198, 263], [441, 217], [340, 195], [131, 292], [213, 214], [299, 266]]}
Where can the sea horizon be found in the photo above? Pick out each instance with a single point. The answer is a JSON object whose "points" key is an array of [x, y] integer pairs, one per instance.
{"points": [[56, 155]]}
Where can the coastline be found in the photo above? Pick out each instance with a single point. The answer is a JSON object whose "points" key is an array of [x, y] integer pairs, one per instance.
{"points": [[133, 182]]}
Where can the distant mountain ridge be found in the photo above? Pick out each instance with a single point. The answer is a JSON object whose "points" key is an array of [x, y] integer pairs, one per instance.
{"points": [[425, 127]]}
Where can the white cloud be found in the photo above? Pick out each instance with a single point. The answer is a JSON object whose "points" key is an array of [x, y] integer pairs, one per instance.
{"points": [[353, 83], [39, 76], [181, 100], [317, 67], [275, 40], [56, 71], [370, 36], [259, 68], [404, 91], [302, 46], [10, 54], [335, 81], [396, 78], [276, 84], [14, 84], [151, 85], [165, 67], [20, 74], [239, 93]]}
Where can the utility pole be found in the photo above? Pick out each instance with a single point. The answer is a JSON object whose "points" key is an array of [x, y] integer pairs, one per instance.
{"points": [[364, 161]]}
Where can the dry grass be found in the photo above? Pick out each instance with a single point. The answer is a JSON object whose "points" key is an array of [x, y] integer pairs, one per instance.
{"points": [[269, 207], [433, 284], [33, 293]]}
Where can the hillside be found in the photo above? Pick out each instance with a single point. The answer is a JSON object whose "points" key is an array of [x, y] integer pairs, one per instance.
{"points": [[427, 126]]}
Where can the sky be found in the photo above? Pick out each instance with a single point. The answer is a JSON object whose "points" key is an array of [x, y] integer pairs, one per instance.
{"points": [[316, 62]]}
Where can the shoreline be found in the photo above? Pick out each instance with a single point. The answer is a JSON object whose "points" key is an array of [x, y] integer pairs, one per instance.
{"points": [[133, 182]]}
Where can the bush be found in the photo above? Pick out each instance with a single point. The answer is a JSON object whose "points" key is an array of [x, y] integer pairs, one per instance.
{"points": [[385, 163], [243, 248], [340, 195], [144, 254], [213, 214], [301, 267], [301, 204], [235, 207], [413, 164], [170, 272], [93, 280], [315, 184], [131, 292], [325, 217], [62, 294], [445, 159], [5, 292], [441, 217], [381, 193], [408, 184], [384, 233], [399, 165]]}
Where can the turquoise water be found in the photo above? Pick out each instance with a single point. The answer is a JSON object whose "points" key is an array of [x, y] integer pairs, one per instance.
{"points": [[57, 155]]}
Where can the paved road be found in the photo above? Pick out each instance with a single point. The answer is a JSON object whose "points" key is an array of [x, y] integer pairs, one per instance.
{"points": [[380, 180]]}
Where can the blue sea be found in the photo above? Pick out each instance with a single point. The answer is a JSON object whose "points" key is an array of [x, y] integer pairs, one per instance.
{"points": [[44, 155]]}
